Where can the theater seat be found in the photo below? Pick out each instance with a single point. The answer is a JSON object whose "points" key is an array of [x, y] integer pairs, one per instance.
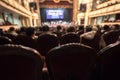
{"points": [[71, 62], [20, 63], [45, 42], [108, 65], [11, 36], [70, 38], [111, 36], [26, 41], [5, 40]]}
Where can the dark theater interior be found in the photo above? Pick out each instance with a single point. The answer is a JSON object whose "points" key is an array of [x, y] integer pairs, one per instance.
{"points": [[59, 39]]}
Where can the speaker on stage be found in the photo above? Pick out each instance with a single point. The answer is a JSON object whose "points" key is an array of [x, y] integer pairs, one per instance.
{"points": [[33, 6]]}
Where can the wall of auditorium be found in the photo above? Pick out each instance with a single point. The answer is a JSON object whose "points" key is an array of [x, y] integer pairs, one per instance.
{"points": [[84, 11], [97, 11], [1, 19], [52, 4], [17, 20], [8, 16], [16, 11], [106, 10]]}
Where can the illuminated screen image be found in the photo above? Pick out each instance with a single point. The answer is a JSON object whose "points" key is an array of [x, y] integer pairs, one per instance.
{"points": [[55, 14]]}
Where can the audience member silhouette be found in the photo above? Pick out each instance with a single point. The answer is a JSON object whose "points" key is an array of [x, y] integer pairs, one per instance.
{"points": [[31, 32], [12, 31], [59, 31], [80, 30], [71, 29], [45, 29]]}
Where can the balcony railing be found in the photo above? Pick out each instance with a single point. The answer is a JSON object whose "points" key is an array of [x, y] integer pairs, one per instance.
{"points": [[82, 15], [107, 3], [106, 11], [17, 6]]}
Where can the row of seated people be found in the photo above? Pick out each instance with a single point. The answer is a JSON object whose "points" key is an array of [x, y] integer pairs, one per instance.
{"points": [[45, 39], [81, 53], [73, 61]]}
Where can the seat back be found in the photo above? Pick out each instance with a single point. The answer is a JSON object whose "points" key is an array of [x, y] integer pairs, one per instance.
{"points": [[20, 63], [80, 32], [111, 37], [71, 62], [11, 36], [108, 65], [45, 42], [25, 40], [5, 40], [70, 38]]}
